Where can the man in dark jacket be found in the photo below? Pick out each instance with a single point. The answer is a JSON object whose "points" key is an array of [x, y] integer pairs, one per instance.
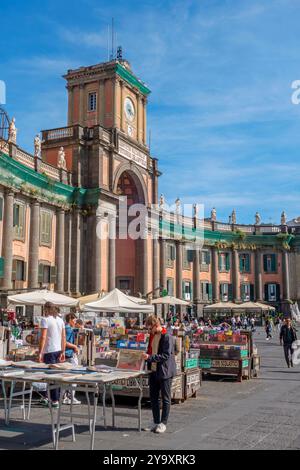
{"points": [[161, 363], [288, 336]]}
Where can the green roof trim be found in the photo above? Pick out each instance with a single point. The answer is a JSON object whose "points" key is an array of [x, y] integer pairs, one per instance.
{"points": [[132, 79]]}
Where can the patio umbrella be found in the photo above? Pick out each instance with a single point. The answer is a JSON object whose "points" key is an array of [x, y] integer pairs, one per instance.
{"points": [[170, 300], [41, 297]]}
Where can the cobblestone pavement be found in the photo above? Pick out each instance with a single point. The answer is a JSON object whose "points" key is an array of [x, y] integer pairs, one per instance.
{"points": [[262, 413]]}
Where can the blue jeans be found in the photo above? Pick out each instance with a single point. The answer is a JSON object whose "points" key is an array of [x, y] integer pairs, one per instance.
{"points": [[53, 358]]}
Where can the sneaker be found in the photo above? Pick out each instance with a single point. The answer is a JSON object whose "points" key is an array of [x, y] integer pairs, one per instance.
{"points": [[160, 429], [67, 401], [55, 404], [151, 427], [75, 401], [44, 402]]}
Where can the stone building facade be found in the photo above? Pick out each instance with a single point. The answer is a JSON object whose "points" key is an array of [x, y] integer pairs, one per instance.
{"points": [[52, 204]]}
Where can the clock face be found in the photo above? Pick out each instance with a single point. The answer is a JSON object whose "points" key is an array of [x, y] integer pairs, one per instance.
{"points": [[129, 109]]}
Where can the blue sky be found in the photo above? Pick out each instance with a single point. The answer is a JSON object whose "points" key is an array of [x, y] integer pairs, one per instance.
{"points": [[222, 122]]}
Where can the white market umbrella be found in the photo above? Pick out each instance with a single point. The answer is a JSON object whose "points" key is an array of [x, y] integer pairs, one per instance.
{"points": [[117, 302], [41, 297], [169, 300], [221, 306]]}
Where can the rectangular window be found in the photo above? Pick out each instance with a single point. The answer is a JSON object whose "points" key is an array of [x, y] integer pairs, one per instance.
{"points": [[45, 228], [245, 263], [187, 258], [270, 263], [170, 286], [92, 106], [224, 262], [246, 292], [187, 291], [224, 291], [19, 220], [272, 292], [20, 271], [170, 254], [46, 274]]}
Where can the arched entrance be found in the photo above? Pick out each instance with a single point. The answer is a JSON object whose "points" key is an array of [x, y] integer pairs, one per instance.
{"points": [[131, 255]]}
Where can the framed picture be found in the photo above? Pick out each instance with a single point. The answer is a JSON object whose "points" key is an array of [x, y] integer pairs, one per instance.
{"points": [[130, 360]]}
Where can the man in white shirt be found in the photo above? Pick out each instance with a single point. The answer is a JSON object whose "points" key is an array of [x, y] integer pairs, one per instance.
{"points": [[52, 342]]}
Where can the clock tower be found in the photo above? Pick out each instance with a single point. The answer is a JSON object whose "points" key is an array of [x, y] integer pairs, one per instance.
{"points": [[108, 95]]}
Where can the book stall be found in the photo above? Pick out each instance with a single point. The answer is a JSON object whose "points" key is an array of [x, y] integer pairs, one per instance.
{"points": [[228, 353]]}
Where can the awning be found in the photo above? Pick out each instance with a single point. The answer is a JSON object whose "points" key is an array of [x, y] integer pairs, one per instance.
{"points": [[117, 302], [221, 306], [41, 297]]}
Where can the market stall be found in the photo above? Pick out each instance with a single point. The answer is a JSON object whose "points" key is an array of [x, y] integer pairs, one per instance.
{"points": [[92, 382], [228, 353]]}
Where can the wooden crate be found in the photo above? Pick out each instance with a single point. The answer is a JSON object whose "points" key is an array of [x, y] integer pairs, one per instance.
{"points": [[193, 380]]}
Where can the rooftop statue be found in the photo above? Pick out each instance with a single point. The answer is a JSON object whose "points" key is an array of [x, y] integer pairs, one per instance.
{"points": [[161, 201], [213, 214], [283, 218], [257, 218], [62, 159], [233, 217], [37, 146], [12, 131]]}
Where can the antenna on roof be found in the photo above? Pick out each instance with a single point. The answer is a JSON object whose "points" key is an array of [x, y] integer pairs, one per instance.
{"points": [[108, 34]]}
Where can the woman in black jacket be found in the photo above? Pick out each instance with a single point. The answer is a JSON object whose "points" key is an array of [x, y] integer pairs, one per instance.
{"points": [[161, 363]]}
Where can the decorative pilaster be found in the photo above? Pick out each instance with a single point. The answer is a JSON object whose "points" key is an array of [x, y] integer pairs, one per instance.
{"points": [[163, 276], [112, 253], [81, 104], [7, 244], [235, 276], [285, 275], [34, 243], [215, 280], [75, 252], [60, 250], [97, 248], [258, 276], [179, 270], [70, 105], [155, 267], [196, 277], [145, 265]]}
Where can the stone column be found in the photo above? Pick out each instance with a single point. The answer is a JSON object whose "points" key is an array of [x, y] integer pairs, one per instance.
{"points": [[76, 252], [145, 276], [7, 243], [70, 105], [60, 250], [68, 252], [144, 121], [34, 243], [179, 250], [101, 103], [163, 276], [235, 276], [258, 276], [81, 104], [214, 274], [97, 247], [196, 277], [156, 281], [112, 253], [285, 275]]}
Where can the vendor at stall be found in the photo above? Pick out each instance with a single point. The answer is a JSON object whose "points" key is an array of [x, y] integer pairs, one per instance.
{"points": [[161, 363]]}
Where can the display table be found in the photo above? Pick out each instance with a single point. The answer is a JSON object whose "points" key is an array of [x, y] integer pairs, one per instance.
{"points": [[92, 383]]}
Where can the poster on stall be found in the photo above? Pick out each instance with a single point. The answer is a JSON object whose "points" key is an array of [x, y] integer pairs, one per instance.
{"points": [[130, 360]]}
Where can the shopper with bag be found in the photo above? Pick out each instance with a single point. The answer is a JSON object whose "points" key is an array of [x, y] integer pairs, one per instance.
{"points": [[161, 363]]}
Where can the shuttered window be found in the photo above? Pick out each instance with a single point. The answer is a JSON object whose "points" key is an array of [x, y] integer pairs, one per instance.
{"points": [[226, 292], [187, 290], [19, 220], [247, 292], [19, 269], [270, 263], [170, 254], [224, 262], [206, 289], [205, 257], [45, 228], [245, 263], [92, 104], [170, 286]]}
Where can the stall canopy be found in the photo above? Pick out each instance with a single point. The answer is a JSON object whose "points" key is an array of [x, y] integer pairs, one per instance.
{"points": [[221, 306], [94, 297], [41, 297], [253, 306], [169, 300], [117, 302]]}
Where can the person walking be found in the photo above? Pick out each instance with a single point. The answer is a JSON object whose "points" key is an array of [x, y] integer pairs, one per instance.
{"points": [[161, 362], [287, 337], [52, 344], [252, 323], [268, 330]]}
